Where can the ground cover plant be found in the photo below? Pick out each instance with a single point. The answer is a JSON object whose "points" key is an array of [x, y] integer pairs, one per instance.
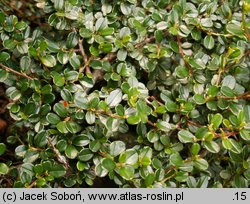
{"points": [[141, 93]]}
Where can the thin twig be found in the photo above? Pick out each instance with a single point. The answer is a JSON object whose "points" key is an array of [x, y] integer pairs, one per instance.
{"points": [[153, 98], [190, 122], [151, 123], [226, 134], [166, 179], [241, 96], [247, 53], [101, 112], [85, 58], [109, 57], [60, 158], [15, 72], [183, 55], [32, 184], [145, 41], [149, 40]]}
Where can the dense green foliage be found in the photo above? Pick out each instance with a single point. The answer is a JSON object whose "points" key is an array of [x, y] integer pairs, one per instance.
{"points": [[149, 93]]}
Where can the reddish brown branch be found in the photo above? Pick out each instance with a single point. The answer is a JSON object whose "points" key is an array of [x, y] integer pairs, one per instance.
{"points": [[153, 98], [226, 134], [15, 72], [151, 123], [183, 55], [149, 40], [112, 115], [84, 57], [242, 96], [109, 57], [190, 122], [145, 41]]}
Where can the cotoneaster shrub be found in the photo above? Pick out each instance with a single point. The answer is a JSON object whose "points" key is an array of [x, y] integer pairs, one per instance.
{"points": [[145, 93]]}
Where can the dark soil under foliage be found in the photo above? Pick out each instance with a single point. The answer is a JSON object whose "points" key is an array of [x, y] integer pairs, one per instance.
{"points": [[4, 116]]}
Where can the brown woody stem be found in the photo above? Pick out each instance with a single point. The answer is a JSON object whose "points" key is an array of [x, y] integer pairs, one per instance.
{"points": [[183, 55], [15, 72], [85, 58]]}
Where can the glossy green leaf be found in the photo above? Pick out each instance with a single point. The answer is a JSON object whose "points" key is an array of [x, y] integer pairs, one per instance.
{"points": [[85, 33], [58, 79], [72, 40], [130, 157], [201, 164], [57, 170], [232, 145], [60, 110], [114, 98], [199, 99], [73, 127], [75, 62], [127, 172], [85, 155], [206, 22], [52, 118], [235, 29], [245, 134], [61, 126], [181, 176], [182, 71], [216, 120], [195, 148], [212, 146], [90, 117], [4, 169], [59, 4], [2, 148], [100, 170], [40, 140], [185, 136], [117, 148], [226, 91], [49, 61], [209, 42], [4, 56], [71, 152], [108, 164], [80, 140], [133, 119]]}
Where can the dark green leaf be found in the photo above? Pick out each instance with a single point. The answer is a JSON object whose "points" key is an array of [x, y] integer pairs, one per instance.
{"points": [[176, 159], [57, 170], [4, 169], [212, 146], [201, 164], [185, 136], [114, 98], [49, 61], [2, 148], [4, 56], [108, 164], [127, 172], [216, 120], [117, 148], [73, 127], [85, 155], [209, 42], [71, 152]]}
